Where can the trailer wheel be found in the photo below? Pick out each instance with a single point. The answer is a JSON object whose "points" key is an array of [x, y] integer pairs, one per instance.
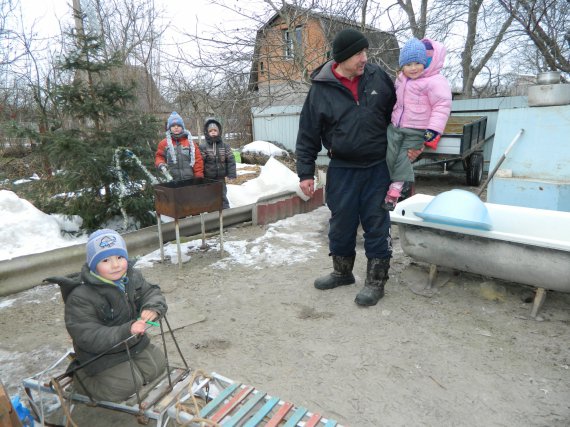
{"points": [[475, 169]]}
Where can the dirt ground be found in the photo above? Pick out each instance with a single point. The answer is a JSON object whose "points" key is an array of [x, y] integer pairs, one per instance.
{"points": [[468, 356]]}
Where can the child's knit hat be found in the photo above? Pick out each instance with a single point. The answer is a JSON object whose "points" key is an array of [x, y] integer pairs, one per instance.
{"points": [[175, 119], [413, 51], [213, 125], [103, 244]]}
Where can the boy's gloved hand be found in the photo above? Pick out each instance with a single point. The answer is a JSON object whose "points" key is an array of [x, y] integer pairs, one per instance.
{"points": [[431, 138]]}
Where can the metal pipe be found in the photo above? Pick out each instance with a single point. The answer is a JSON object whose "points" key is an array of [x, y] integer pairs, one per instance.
{"points": [[499, 162]]}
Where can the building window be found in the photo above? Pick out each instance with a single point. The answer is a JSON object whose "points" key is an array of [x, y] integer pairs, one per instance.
{"points": [[261, 68], [290, 44]]}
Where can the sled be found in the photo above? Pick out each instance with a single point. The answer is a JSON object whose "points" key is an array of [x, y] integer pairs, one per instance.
{"points": [[192, 398], [182, 397]]}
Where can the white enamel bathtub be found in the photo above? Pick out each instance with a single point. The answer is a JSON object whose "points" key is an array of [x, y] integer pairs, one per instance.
{"points": [[525, 245]]}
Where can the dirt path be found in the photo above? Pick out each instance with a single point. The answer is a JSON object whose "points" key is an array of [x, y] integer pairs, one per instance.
{"points": [[468, 356]]}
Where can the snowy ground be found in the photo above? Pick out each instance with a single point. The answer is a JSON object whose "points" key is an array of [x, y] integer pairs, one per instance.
{"points": [[26, 230]]}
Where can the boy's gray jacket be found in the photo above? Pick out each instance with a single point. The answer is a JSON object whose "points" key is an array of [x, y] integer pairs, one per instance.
{"points": [[219, 160], [99, 315], [354, 133]]}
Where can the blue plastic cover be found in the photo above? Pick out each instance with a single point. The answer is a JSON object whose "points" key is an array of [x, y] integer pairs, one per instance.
{"points": [[459, 208]]}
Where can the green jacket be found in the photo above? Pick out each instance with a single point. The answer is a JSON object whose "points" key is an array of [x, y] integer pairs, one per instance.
{"points": [[99, 315]]}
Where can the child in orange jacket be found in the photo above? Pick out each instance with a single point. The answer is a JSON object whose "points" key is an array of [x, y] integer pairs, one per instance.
{"points": [[177, 156]]}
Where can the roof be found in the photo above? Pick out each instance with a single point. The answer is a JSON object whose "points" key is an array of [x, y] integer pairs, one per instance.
{"points": [[383, 50]]}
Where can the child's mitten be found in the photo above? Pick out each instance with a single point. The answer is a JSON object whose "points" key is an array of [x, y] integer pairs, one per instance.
{"points": [[431, 138]]}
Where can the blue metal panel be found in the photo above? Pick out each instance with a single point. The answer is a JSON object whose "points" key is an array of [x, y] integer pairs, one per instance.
{"points": [[530, 193], [543, 151], [539, 161]]}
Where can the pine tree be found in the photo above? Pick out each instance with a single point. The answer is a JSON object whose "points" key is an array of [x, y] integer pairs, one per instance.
{"points": [[97, 119]]}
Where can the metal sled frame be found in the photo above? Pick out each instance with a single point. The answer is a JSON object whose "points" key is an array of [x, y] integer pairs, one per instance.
{"points": [[142, 404]]}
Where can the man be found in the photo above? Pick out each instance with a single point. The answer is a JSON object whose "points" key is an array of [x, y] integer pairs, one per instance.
{"points": [[347, 110]]}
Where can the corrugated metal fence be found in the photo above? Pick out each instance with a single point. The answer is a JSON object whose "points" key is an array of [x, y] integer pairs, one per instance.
{"points": [[280, 123]]}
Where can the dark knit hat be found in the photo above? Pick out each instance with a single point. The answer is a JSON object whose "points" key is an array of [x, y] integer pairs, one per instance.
{"points": [[210, 123], [174, 119], [347, 43], [103, 244], [413, 51]]}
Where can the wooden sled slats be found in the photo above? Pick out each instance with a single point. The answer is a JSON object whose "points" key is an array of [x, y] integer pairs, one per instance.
{"points": [[262, 413], [244, 410], [278, 417], [313, 421], [209, 408], [234, 401], [296, 417]]}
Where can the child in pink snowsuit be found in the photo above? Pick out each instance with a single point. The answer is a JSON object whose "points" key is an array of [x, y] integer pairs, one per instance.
{"points": [[422, 108]]}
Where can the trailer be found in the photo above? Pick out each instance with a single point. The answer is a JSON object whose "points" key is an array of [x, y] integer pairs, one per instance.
{"points": [[462, 143]]}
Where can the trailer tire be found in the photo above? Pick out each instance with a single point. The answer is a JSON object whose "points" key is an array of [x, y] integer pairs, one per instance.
{"points": [[475, 169]]}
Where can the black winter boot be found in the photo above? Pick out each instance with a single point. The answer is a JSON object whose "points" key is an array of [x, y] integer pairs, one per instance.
{"points": [[342, 274], [376, 278]]}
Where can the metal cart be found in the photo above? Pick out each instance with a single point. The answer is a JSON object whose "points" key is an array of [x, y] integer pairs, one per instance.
{"points": [[462, 142]]}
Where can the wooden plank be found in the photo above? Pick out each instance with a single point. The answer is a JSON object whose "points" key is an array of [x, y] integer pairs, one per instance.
{"points": [[8, 415], [206, 410], [296, 417], [276, 419], [313, 421], [262, 413], [162, 388], [244, 410], [234, 401]]}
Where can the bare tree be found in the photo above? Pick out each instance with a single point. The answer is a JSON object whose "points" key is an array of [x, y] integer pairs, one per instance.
{"points": [[130, 29], [547, 24], [478, 26]]}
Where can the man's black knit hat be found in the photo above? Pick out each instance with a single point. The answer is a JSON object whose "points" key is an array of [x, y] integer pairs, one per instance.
{"points": [[348, 42]]}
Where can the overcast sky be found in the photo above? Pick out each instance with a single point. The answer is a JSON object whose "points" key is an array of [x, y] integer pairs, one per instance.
{"points": [[46, 13]]}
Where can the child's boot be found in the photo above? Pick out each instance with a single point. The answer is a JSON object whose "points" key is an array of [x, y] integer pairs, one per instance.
{"points": [[392, 196]]}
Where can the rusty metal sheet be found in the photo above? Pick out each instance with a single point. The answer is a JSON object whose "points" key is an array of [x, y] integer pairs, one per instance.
{"points": [[180, 199]]}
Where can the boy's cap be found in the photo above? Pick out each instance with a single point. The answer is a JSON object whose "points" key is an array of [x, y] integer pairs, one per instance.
{"points": [[175, 119], [103, 244], [210, 123], [413, 51], [347, 43]]}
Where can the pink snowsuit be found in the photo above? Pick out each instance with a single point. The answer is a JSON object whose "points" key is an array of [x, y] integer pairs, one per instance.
{"points": [[424, 103]]}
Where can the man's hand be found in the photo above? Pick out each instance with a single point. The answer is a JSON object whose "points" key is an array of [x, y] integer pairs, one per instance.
{"points": [[308, 187], [414, 154]]}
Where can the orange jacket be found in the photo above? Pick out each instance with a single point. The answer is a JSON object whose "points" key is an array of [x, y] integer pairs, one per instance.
{"points": [[179, 158]]}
